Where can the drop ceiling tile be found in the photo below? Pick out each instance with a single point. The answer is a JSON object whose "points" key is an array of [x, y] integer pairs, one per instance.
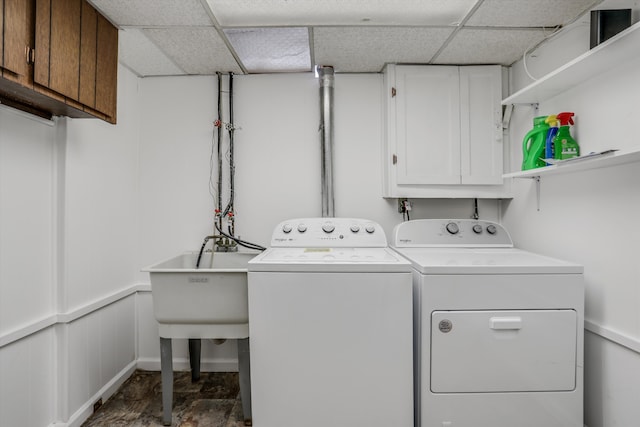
{"points": [[527, 13], [268, 50], [197, 50], [153, 12], [367, 49], [143, 57], [489, 46], [230, 13]]}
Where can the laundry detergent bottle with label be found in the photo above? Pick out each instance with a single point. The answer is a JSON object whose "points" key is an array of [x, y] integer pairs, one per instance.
{"points": [[552, 121], [564, 146], [533, 145]]}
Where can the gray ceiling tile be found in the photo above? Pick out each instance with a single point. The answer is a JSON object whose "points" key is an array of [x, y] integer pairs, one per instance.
{"points": [[198, 50], [143, 57], [527, 13], [154, 12], [367, 49], [339, 12], [489, 46]]}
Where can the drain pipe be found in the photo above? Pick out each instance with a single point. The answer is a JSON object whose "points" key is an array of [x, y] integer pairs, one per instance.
{"points": [[326, 130]]}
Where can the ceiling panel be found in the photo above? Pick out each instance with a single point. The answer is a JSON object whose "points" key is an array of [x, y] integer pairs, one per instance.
{"points": [[198, 50], [153, 12], [367, 49], [489, 46], [143, 57], [233, 13], [272, 49], [527, 13]]}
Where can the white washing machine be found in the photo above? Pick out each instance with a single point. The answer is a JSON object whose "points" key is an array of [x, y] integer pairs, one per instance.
{"points": [[498, 331], [330, 327]]}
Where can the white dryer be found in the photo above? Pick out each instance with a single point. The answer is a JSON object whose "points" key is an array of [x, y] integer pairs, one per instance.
{"points": [[330, 327], [498, 330]]}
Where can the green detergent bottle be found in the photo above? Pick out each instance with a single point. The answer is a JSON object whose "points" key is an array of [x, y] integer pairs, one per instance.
{"points": [[533, 145], [564, 146]]}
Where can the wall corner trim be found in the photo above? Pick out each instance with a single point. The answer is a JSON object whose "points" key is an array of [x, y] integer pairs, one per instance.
{"points": [[70, 316]]}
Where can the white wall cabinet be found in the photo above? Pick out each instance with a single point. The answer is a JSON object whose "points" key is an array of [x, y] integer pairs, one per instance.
{"points": [[443, 132]]}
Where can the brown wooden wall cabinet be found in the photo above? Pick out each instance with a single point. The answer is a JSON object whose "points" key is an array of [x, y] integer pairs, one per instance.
{"points": [[58, 57]]}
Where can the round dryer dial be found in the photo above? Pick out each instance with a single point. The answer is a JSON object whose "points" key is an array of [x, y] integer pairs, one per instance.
{"points": [[328, 227], [452, 228], [491, 229]]}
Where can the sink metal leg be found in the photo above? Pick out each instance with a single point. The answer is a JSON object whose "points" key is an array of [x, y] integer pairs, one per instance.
{"points": [[166, 367], [195, 345], [244, 375]]}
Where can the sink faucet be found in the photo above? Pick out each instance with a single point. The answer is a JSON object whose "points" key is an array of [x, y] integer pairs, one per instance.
{"points": [[224, 244]]}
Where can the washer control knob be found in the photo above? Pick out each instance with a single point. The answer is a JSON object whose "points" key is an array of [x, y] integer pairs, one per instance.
{"points": [[355, 228], [491, 229], [328, 227], [286, 228], [370, 228], [477, 229], [452, 228], [302, 228]]}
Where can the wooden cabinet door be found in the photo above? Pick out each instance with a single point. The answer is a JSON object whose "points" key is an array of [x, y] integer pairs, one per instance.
{"points": [[57, 64], [427, 125], [107, 69], [88, 52], [18, 22]]}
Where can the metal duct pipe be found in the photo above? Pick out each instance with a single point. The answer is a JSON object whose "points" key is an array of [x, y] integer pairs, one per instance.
{"points": [[326, 130]]}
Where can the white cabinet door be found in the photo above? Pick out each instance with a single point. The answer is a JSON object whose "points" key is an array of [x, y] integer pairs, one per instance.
{"points": [[481, 147], [428, 125]]}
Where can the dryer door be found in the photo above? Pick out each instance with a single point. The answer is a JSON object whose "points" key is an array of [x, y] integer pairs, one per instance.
{"points": [[503, 351]]}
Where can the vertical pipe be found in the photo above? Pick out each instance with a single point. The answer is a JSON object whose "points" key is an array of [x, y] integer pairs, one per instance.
{"points": [[219, 207], [232, 165], [326, 130]]}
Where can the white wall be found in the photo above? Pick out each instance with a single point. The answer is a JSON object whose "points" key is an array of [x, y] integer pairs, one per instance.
{"points": [[26, 268], [68, 239], [589, 217]]}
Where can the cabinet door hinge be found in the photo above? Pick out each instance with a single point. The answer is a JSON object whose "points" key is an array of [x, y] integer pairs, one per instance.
{"points": [[393, 92], [394, 159]]}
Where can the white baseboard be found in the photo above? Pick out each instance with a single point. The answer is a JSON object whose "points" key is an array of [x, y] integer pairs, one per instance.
{"points": [[85, 411]]}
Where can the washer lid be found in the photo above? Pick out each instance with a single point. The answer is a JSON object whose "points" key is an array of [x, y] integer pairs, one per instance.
{"points": [[323, 259], [485, 261]]}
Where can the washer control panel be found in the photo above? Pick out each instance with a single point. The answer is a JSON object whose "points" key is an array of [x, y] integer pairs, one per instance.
{"points": [[328, 232], [450, 232]]}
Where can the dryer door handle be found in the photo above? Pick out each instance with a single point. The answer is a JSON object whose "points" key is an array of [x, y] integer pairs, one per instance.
{"points": [[501, 323]]}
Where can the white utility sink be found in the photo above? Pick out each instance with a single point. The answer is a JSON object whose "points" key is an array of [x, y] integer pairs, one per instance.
{"points": [[195, 303], [188, 301]]}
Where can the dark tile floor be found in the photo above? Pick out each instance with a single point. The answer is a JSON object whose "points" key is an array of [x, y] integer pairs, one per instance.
{"points": [[213, 401]]}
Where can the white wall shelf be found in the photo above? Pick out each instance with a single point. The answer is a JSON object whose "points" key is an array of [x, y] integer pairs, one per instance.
{"points": [[607, 160], [619, 49]]}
